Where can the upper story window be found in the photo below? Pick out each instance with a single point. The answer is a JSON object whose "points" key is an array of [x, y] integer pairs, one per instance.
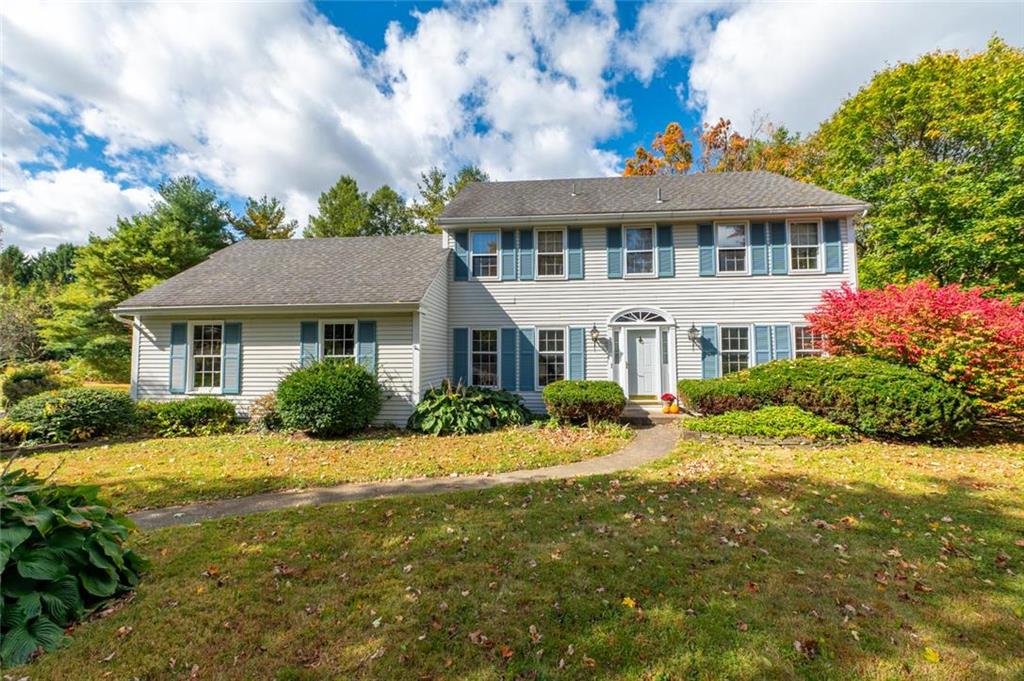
{"points": [[639, 250], [732, 247], [805, 246], [484, 360], [207, 342], [735, 348], [339, 339], [484, 247], [550, 253], [550, 356], [807, 343]]}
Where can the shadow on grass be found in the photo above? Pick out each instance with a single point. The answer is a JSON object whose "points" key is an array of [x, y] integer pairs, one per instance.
{"points": [[687, 575]]}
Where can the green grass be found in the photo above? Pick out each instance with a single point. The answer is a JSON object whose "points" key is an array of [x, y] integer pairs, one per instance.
{"points": [[167, 471], [882, 561], [778, 422]]}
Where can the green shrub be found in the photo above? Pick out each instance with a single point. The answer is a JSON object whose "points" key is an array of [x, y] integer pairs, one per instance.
{"points": [[871, 396], [460, 410], [75, 414], [584, 401], [203, 415], [62, 554], [334, 397], [779, 422], [19, 382], [12, 433], [263, 415]]}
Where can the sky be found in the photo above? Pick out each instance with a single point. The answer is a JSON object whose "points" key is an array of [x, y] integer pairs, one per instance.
{"points": [[101, 101]]}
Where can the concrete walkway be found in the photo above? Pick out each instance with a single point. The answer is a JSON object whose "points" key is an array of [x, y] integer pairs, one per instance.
{"points": [[649, 444]]}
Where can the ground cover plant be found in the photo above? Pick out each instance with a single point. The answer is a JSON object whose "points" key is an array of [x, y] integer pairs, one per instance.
{"points": [[866, 561], [584, 401], [459, 410], [333, 397], [958, 335], [777, 422], [75, 414], [871, 396], [203, 415], [162, 472]]}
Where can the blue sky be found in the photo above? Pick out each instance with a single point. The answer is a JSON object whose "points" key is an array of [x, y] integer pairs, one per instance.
{"points": [[101, 101]]}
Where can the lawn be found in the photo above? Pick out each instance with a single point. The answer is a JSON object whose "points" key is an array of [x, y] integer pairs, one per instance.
{"points": [[863, 561], [163, 472]]}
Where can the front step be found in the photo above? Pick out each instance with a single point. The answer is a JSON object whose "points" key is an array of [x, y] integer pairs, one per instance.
{"points": [[646, 412]]}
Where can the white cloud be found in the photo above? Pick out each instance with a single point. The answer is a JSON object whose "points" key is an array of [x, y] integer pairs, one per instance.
{"points": [[666, 29], [52, 207], [796, 62]]}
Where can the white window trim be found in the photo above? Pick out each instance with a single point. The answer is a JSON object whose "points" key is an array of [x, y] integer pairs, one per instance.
{"points": [[497, 255], [721, 350], [192, 389], [497, 372], [821, 246], [565, 353], [653, 274], [792, 340], [322, 345], [746, 258], [536, 253]]}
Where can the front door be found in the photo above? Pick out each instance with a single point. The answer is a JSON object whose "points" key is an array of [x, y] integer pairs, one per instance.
{"points": [[642, 361]]}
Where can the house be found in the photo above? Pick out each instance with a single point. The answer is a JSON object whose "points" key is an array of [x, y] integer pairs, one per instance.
{"points": [[641, 280]]}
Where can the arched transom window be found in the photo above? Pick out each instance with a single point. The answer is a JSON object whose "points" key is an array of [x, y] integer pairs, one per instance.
{"points": [[639, 317]]}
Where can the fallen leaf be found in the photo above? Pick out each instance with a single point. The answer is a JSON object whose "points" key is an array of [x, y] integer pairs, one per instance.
{"points": [[506, 652], [629, 602], [932, 655]]}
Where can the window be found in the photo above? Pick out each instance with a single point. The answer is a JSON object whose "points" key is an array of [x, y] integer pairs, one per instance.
{"points": [[806, 343], [735, 349], [339, 339], [639, 250], [805, 246], [732, 247], [551, 253], [550, 356], [206, 352], [485, 358], [485, 254]]}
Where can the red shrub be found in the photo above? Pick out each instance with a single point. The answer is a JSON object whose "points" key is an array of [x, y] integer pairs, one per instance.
{"points": [[953, 333]]}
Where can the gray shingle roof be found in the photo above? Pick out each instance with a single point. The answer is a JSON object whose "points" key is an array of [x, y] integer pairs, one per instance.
{"points": [[342, 271], [639, 194]]}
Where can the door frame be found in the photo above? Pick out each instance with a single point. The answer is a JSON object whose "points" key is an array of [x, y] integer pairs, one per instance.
{"points": [[665, 329], [631, 333]]}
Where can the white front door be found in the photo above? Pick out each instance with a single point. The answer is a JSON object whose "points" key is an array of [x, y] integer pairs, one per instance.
{"points": [[642, 361]]}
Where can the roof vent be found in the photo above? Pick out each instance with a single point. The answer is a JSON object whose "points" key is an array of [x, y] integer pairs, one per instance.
{"points": [[574, 189], [660, 200]]}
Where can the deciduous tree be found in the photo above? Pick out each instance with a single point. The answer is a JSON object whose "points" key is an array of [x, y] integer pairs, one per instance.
{"points": [[388, 213], [264, 218], [671, 153]]}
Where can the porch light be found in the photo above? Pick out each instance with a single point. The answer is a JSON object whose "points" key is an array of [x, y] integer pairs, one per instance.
{"points": [[595, 335], [694, 335]]}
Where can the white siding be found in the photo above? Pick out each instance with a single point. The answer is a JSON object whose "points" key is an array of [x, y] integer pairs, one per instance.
{"points": [[433, 328], [688, 297], [270, 350]]}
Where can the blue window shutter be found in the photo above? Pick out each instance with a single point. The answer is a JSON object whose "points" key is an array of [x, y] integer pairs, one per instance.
{"points": [[577, 353], [527, 360], [526, 254], [778, 234], [179, 357], [833, 247], [309, 343], [666, 252], [706, 249], [614, 252], [366, 345], [508, 255], [762, 344], [461, 256], [758, 248], [231, 359], [782, 347], [574, 252], [709, 351], [508, 358], [460, 356]]}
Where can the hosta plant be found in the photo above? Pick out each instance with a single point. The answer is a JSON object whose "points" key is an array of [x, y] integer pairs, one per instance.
{"points": [[62, 554], [460, 410]]}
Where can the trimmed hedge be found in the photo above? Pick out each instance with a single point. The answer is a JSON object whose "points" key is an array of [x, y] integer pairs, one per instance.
{"points": [[76, 414], [584, 401], [780, 422], [333, 397], [871, 396], [202, 415], [461, 410]]}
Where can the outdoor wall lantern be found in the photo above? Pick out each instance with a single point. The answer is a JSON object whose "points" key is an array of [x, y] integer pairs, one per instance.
{"points": [[595, 335], [694, 335]]}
